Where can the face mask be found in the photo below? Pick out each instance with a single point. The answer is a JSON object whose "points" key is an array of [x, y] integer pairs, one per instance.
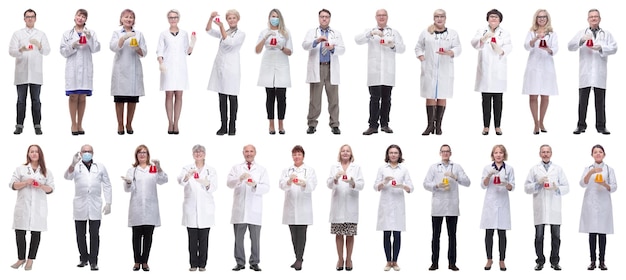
{"points": [[274, 21], [87, 157]]}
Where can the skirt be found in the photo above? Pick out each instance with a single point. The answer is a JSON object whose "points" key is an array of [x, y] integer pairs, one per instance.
{"points": [[348, 229]]}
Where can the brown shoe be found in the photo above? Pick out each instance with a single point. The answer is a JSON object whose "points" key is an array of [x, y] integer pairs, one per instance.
{"points": [[370, 131]]}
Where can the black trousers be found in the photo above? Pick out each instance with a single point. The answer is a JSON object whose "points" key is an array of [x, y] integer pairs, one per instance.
{"points": [[234, 105], [380, 105], [276, 95], [20, 239], [94, 240], [555, 233], [22, 92], [583, 101], [601, 237], [198, 246], [298, 239], [451, 222], [489, 100], [142, 242], [501, 243], [392, 256]]}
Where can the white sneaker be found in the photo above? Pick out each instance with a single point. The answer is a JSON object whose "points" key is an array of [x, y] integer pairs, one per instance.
{"points": [[396, 267], [387, 267]]}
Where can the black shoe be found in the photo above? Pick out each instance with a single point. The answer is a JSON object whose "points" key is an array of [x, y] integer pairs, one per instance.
{"points": [[539, 266], [603, 131], [370, 131], [592, 266], [433, 267], [386, 129], [336, 130], [579, 130], [136, 267], [120, 132], [602, 266], [555, 267], [127, 131], [239, 267], [18, 129], [75, 133], [255, 267], [272, 132], [82, 132], [498, 131], [453, 267], [281, 132], [310, 130], [222, 131], [38, 130], [82, 264], [94, 267], [145, 267]]}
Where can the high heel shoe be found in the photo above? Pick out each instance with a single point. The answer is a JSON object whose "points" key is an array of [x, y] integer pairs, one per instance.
{"points": [[498, 131], [272, 132], [145, 267], [29, 265], [18, 264], [486, 131], [339, 266], [502, 266], [136, 267], [488, 265], [348, 267]]}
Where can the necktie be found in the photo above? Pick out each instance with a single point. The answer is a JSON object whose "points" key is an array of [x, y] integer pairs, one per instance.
{"points": [[248, 165], [323, 44]]}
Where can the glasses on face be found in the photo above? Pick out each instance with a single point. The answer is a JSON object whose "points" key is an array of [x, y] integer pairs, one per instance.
{"points": [[594, 17], [87, 151], [172, 18], [324, 16], [440, 16], [381, 15], [445, 151], [493, 16], [198, 152], [542, 17], [29, 17]]}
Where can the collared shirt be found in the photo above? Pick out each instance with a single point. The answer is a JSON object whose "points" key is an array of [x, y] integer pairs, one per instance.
{"points": [[324, 55], [546, 165]]}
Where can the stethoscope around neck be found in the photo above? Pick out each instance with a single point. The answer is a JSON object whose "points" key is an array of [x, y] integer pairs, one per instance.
{"points": [[597, 36], [80, 167], [320, 32]]}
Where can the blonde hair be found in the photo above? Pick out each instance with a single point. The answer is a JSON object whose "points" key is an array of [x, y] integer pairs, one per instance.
{"points": [[502, 148], [432, 27], [349, 148], [233, 12], [535, 26], [282, 28]]}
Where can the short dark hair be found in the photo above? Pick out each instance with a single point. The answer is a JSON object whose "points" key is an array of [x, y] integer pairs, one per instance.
{"points": [[30, 11], [324, 11], [494, 12], [297, 149], [597, 146]]}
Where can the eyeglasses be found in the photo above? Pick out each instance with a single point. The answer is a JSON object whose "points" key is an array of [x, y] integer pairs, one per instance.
{"points": [[381, 15], [324, 16], [445, 151], [172, 18], [27, 17], [440, 16], [91, 152]]}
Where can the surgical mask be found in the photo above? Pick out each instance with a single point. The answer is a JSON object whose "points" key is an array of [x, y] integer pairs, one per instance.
{"points": [[87, 157], [274, 21]]}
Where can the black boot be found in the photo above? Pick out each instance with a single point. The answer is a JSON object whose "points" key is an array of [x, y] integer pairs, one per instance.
{"points": [[440, 111], [223, 129], [234, 105], [431, 112], [231, 127], [223, 115], [18, 129]]}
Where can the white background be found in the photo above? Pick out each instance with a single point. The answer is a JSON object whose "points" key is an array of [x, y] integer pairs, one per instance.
{"points": [[200, 120]]}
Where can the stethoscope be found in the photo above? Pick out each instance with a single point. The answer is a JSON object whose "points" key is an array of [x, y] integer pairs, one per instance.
{"points": [[387, 31], [597, 35], [499, 169], [494, 34], [441, 168], [443, 35], [80, 167], [330, 32], [230, 33], [297, 171]]}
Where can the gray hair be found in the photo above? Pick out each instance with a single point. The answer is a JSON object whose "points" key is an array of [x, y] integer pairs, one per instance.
{"points": [[198, 147]]}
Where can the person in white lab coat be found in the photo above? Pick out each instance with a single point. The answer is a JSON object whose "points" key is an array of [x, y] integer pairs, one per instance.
{"points": [[494, 45], [392, 180], [346, 182], [594, 45], [77, 46], [28, 45], [443, 180], [436, 48], [172, 51], [383, 42], [143, 211], [298, 182], [33, 181], [91, 182], [540, 75], [249, 181], [226, 73], [129, 47], [275, 74], [596, 215], [324, 45], [199, 181], [498, 179], [547, 183]]}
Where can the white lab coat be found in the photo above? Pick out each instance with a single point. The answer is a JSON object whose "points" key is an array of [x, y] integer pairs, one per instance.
{"points": [[540, 75], [247, 200], [28, 64], [89, 186], [381, 60], [198, 204], [275, 71], [173, 49], [596, 215], [298, 206], [79, 63], [445, 202], [491, 70], [31, 206], [437, 75], [592, 65], [226, 74], [344, 200], [127, 76], [496, 207], [546, 203], [391, 206], [144, 199], [313, 47]]}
